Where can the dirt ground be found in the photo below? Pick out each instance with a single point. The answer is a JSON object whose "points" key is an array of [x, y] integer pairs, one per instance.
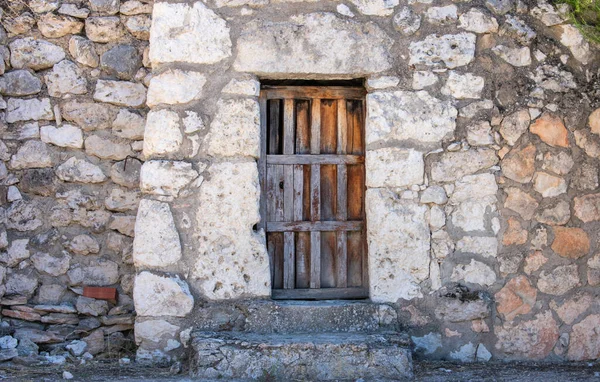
{"points": [[424, 371]]}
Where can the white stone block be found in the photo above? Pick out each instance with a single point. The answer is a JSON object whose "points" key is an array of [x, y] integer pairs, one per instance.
{"points": [[394, 167], [156, 242], [156, 295]]}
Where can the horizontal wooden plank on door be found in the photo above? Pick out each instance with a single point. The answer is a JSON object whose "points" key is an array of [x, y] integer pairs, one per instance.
{"points": [[320, 294], [310, 92], [315, 159], [301, 226]]}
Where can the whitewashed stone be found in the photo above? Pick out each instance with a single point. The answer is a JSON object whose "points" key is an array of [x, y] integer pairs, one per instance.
{"points": [[450, 50], [16, 253], [128, 125], [28, 109], [514, 125], [428, 343], [191, 34], [474, 187], [549, 15], [561, 163], [53, 265], [135, 7], [8, 342], [21, 282], [156, 242], [398, 238], [455, 165], [139, 26], [516, 28], [43, 6], [166, 178], [126, 173], [122, 200], [73, 10], [316, 43], [153, 334], [89, 115], [343, 9], [393, 167], [34, 54], [480, 134], [78, 170], [242, 87], [13, 194], [442, 15], [83, 245], [475, 272], [437, 217], [478, 22], [465, 353], [423, 79], [572, 38], [514, 56], [549, 185], [375, 7], [120, 93], [108, 7], [104, 29], [434, 194], [33, 154], [235, 130], [76, 347], [475, 108], [99, 272], [19, 83], [162, 135], [174, 87], [63, 136], [23, 216], [231, 260], [464, 86], [407, 21], [56, 26], [483, 246], [106, 148], [559, 281], [84, 51], [472, 215], [402, 115], [156, 295]]}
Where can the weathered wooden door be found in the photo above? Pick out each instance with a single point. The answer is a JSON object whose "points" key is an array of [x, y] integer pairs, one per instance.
{"points": [[313, 183]]}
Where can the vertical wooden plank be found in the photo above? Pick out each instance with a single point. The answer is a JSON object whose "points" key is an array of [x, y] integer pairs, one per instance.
{"points": [[315, 259], [288, 126], [274, 133], [302, 194], [289, 252], [329, 140], [342, 127], [315, 194], [289, 281], [342, 204], [275, 249], [274, 192], [315, 127], [342, 257]]}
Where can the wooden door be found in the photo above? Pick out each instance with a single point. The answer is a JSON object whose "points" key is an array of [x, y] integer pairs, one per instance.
{"points": [[313, 183]]}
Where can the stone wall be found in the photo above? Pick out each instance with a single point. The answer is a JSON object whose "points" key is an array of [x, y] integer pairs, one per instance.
{"points": [[482, 162], [73, 89]]}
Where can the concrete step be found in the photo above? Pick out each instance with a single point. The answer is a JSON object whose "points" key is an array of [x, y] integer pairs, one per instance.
{"points": [[317, 356], [298, 317]]}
